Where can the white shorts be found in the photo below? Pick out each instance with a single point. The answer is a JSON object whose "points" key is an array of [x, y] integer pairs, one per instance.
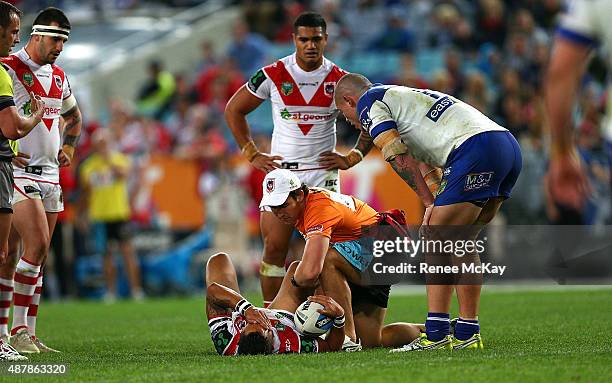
{"points": [[50, 193], [327, 179]]}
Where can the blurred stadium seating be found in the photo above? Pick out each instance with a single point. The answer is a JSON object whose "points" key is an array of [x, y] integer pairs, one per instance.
{"points": [[491, 54]]}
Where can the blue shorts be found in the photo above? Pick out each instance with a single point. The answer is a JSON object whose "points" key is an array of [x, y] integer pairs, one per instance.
{"points": [[351, 251], [486, 165]]}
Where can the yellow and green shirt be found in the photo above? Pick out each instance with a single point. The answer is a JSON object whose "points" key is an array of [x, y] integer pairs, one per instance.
{"points": [[7, 151], [108, 196]]}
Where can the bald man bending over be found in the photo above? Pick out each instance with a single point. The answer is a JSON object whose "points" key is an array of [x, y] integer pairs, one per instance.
{"points": [[416, 130]]}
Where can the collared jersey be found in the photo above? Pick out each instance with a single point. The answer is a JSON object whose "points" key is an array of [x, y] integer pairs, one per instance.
{"points": [[303, 108], [430, 123], [44, 141]]}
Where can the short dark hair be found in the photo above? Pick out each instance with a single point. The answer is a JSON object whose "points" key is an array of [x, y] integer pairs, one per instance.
{"points": [[6, 11], [254, 343], [311, 20], [294, 193], [50, 15]]}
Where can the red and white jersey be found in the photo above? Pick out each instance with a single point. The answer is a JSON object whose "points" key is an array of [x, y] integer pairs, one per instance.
{"points": [[303, 109], [44, 141], [225, 332]]}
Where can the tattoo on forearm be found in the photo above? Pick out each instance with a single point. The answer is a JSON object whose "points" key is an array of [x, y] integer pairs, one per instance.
{"points": [[73, 119], [71, 140], [365, 143], [405, 171], [213, 310]]}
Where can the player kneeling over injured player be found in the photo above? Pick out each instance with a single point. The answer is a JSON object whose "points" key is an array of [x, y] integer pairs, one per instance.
{"points": [[332, 224], [239, 328]]}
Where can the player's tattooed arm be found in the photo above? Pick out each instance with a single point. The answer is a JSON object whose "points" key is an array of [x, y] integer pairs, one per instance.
{"points": [[222, 296], [213, 310], [72, 127], [408, 168]]}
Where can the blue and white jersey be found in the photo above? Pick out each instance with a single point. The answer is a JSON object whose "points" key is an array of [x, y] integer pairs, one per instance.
{"points": [[589, 23], [431, 123]]}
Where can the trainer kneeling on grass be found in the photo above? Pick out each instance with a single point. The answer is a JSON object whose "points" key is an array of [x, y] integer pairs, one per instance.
{"points": [[332, 224]]}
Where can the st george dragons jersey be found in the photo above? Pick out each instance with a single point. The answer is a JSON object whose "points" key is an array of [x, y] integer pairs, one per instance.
{"points": [[43, 142], [588, 23], [225, 332], [303, 109], [430, 123]]}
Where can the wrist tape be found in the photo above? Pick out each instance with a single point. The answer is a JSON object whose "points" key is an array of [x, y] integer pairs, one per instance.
{"points": [[243, 306]]}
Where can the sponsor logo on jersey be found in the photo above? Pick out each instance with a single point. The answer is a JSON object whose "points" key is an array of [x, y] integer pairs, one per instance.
{"points": [[58, 81], [308, 83], [328, 88], [28, 189], [476, 181], [256, 80], [439, 107], [50, 111], [26, 108], [331, 184], [287, 88], [312, 230], [299, 116], [270, 185], [28, 79], [365, 120]]}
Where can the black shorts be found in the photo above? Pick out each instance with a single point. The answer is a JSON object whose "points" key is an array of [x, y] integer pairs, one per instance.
{"points": [[110, 231], [6, 186], [377, 295]]}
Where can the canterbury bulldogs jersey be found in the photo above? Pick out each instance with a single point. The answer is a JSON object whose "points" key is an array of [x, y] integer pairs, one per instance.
{"points": [[588, 23], [431, 123], [225, 332], [303, 109], [44, 141]]}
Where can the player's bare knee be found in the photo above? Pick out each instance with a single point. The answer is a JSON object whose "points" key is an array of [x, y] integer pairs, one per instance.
{"points": [[216, 258], [274, 253]]}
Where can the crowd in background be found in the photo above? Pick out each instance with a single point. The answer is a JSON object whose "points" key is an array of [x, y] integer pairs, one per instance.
{"points": [[492, 54]]}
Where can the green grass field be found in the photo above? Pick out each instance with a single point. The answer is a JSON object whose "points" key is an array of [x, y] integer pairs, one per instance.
{"points": [[530, 336]]}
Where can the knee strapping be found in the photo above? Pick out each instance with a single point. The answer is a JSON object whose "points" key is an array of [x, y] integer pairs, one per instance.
{"points": [[268, 270]]}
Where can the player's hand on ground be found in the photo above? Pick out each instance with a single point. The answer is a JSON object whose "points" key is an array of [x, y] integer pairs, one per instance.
{"points": [[255, 315], [331, 308], [333, 160], [266, 162], [567, 181], [63, 159], [21, 160], [37, 106]]}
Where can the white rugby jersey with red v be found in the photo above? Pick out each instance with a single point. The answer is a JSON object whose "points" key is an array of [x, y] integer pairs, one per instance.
{"points": [[303, 109], [44, 141]]}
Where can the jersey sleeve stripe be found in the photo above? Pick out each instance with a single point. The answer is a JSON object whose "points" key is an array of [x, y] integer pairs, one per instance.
{"points": [[246, 85], [217, 319], [382, 127], [6, 101], [576, 37]]}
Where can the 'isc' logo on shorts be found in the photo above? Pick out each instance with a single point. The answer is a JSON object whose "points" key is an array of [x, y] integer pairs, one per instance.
{"points": [[477, 181]]}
